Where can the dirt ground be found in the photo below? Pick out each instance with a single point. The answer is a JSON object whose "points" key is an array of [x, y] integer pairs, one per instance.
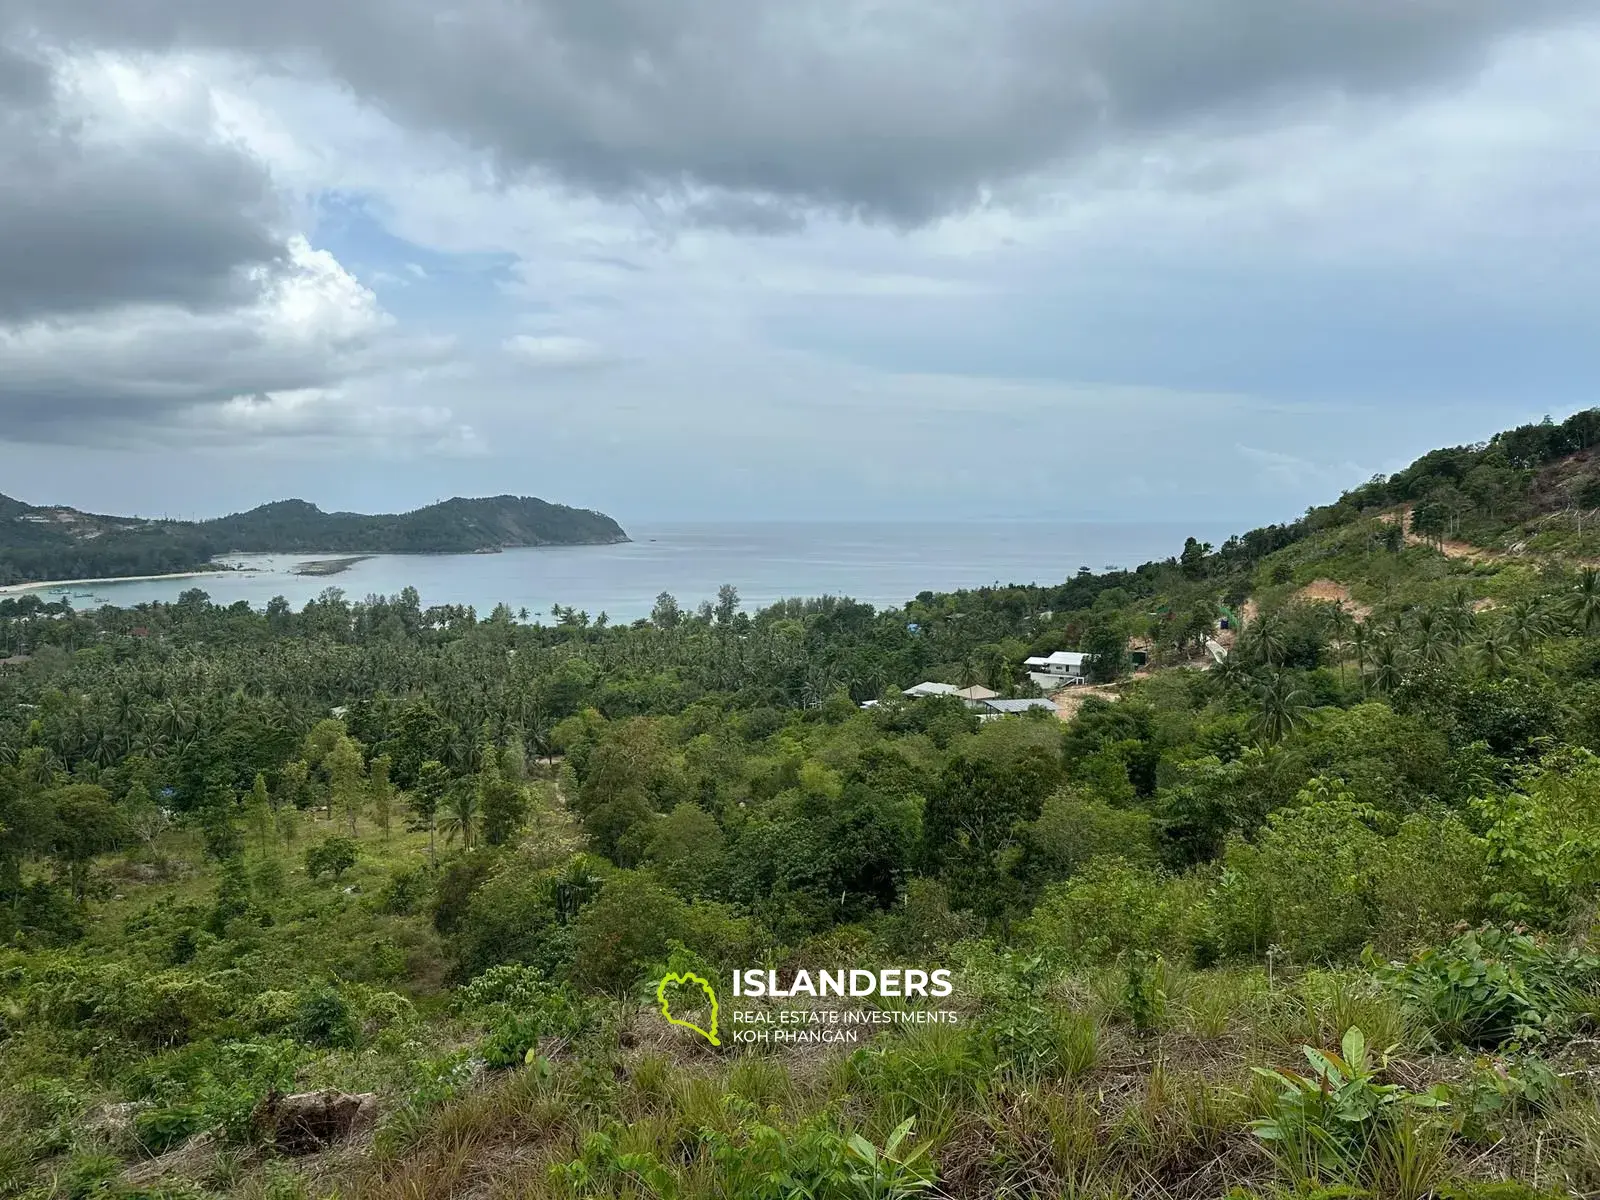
{"points": [[1449, 547], [1333, 593], [1069, 700]]}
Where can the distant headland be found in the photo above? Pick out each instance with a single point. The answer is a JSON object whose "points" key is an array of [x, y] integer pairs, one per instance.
{"points": [[43, 543]]}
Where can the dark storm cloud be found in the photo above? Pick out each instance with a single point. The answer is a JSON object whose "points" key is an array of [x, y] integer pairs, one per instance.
{"points": [[96, 222], [891, 109]]}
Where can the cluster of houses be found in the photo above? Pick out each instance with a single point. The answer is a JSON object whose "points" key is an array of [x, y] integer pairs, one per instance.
{"points": [[1052, 672], [986, 703]]}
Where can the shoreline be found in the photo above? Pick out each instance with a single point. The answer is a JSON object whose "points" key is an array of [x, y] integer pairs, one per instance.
{"points": [[354, 557], [13, 589]]}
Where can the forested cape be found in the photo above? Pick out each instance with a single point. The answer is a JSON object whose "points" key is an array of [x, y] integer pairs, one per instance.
{"points": [[62, 543], [1303, 905]]}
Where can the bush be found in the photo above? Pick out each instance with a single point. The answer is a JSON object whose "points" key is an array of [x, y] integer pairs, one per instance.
{"points": [[1112, 906], [1488, 987], [515, 915], [334, 856], [322, 1018], [629, 927], [405, 891]]}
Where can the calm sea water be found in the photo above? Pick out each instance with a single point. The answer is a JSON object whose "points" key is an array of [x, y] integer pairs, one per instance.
{"points": [[881, 564]]}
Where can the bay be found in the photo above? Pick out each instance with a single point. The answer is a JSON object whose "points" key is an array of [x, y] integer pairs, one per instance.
{"points": [[881, 563]]}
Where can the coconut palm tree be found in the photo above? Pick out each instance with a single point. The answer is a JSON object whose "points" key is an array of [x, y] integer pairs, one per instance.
{"points": [[1387, 666], [1231, 672], [1457, 614], [1431, 643], [1584, 601], [1494, 653], [1265, 639], [1280, 707], [460, 813], [1526, 622], [1361, 643], [1339, 623]]}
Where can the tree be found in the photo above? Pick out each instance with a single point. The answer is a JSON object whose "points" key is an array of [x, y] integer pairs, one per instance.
{"points": [[1267, 639], [1494, 653], [86, 824], [1431, 640], [258, 812], [1106, 648], [1361, 644], [1280, 707], [294, 785], [975, 818], [146, 820], [1585, 601], [686, 848], [460, 813], [1526, 622], [504, 805], [345, 784], [1431, 520], [332, 856], [218, 831], [727, 604], [381, 791], [433, 781], [665, 614], [1193, 559]]}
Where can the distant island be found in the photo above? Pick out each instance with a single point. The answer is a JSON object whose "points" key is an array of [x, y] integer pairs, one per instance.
{"points": [[39, 544]]}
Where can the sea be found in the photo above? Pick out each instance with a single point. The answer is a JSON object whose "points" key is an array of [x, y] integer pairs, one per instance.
{"points": [[882, 564]]}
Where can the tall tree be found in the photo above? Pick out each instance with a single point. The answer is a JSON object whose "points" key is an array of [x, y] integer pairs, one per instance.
{"points": [[381, 791], [258, 813], [433, 781], [459, 816], [1280, 707]]}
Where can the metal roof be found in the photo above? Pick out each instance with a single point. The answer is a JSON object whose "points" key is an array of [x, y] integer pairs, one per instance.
{"points": [[1061, 658], [1019, 706], [932, 689]]}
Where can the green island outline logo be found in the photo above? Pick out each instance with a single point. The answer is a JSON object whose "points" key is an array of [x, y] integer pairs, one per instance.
{"points": [[666, 1005]]}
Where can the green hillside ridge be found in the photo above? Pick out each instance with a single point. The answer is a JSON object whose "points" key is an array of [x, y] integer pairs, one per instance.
{"points": [[62, 543], [1314, 920]]}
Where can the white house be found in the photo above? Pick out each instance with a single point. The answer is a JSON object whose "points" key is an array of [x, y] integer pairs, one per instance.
{"points": [[974, 697], [1056, 670]]}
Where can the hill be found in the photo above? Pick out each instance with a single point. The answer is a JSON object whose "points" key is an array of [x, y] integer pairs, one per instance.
{"points": [[382, 901], [39, 543]]}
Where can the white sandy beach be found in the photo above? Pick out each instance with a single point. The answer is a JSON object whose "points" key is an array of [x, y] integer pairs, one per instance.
{"points": [[12, 589]]}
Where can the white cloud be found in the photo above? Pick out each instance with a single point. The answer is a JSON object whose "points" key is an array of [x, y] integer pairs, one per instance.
{"points": [[556, 351]]}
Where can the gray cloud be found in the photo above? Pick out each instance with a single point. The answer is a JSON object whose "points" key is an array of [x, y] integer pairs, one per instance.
{"points": [[91, 222], [896, 109]]}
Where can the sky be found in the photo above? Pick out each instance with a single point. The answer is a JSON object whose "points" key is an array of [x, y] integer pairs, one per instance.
{"points": [[786, 259]]}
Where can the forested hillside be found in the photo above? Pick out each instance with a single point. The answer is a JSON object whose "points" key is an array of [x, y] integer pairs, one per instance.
{"points": [[1305, 905], [62, 543]]}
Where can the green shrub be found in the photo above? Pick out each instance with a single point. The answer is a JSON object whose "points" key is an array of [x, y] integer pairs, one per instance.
{"points": [[332, 856], [322, 1018], [521, 1009], [160, 1129], [1489, 986], [405, 891], [1110, 907], [1335, 1124]]}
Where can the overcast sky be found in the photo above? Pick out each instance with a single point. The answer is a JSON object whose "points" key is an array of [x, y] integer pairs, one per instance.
{"points": [[698, 259]]}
